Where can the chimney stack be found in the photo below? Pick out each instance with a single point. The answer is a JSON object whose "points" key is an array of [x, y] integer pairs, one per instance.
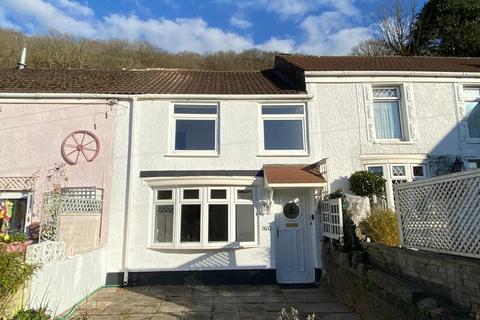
{"points": [[21, 64]]}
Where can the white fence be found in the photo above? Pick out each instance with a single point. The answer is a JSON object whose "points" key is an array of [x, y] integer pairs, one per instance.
{"points": [[332, 218], [46, 252], [441, 214]]}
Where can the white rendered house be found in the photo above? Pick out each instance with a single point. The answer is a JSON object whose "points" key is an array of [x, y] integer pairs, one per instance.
{"points": [[216, 176]]}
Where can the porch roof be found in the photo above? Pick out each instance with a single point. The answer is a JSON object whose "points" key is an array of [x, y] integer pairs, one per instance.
{"points": [[293, 175]]}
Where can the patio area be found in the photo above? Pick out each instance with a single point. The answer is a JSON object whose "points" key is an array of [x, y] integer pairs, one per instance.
{"points": [[211, 302]]}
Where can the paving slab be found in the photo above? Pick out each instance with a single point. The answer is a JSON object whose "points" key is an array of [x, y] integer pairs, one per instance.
{"points": [[250, 302]]}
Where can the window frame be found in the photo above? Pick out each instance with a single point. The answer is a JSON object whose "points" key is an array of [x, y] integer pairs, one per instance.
{"points": [[470, 139], [401, 109], [303, 117], [204, 201], [193, 116]]}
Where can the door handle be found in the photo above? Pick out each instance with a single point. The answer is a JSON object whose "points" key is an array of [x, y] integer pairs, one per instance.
{"points": [[278, 233]]}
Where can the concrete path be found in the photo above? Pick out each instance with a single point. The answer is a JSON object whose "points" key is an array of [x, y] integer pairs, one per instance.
{"points": [[211, 302]]}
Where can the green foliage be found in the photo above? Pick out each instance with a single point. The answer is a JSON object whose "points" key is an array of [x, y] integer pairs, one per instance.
{"points": [[381, 226], [14, 274], [293, 315], [31, 314], [367, 184], [62, 51], [15, 237], [448, 28]]}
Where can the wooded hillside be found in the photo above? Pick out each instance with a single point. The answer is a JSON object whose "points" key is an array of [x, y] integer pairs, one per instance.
{"points": [[59, 51]]}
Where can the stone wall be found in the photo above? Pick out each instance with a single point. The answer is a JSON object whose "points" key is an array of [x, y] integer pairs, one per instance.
{"points": [[380, 292], [454, 277]]}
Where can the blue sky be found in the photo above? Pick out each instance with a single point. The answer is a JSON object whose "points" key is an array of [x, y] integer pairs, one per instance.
{"points": [[323, 27]]}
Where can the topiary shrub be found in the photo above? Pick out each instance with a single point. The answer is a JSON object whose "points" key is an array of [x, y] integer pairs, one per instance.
{"points": [[367, 184], [381, 226]]}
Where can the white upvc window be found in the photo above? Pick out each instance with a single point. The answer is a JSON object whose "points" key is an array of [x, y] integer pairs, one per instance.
{"points": [[283, 129], [397, 173], [195, 129], [204, 217], [473, 164], [472, 111], [387, 113]]}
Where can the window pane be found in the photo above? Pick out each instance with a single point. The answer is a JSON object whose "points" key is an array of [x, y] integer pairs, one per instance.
{"points": [[418, 171], [218, 194], [398, 171], [282, 109], [376, 169], [218, 222], [190, 224], [244, 194], [385, 93], [191, 194], [283, 134], [195, 135], [163, 223], [473, 119], [245, 222], [164, 194], [195, 109], [471, 94], [387, 120], [473, 164]]}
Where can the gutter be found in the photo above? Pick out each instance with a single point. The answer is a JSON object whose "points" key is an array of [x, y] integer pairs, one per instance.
{"points": [[393, 74], [182, 97]]}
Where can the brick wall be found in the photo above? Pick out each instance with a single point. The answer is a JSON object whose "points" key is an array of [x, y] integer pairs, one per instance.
{"points": [[454, 277]]}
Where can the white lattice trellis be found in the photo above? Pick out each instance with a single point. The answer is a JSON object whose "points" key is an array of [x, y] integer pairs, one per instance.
{"points": [[441, 214], [332, 218], [45, 252]]}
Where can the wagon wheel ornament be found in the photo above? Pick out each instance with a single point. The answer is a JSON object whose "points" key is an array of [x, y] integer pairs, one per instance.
{"points": [[80, 143]]}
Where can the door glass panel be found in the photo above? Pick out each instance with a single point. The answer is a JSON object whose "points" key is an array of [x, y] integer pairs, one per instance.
{"points": [[291, 210], [245, 222], [190, 223], [163, 223], [218, 222]]}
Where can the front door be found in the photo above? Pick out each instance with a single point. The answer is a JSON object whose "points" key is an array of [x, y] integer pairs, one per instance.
{"points": [[294, 260]]}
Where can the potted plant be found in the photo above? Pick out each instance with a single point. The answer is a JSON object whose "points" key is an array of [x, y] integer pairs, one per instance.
{"points": [[16, 242]]}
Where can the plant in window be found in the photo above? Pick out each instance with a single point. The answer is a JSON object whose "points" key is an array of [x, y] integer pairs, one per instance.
{"points": [[367, 184]]}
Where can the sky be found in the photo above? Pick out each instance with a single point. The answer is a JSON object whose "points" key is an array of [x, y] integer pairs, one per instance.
{"points": [[320, 27]]}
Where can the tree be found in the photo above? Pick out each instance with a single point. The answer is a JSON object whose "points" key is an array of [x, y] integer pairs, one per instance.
{"points": [[448, 28], [367, 184], [371, 47]]}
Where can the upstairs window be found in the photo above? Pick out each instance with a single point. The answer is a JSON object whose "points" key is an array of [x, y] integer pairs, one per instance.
{"points": [[196, 128], [387, 113], [284, 128], [472, 111]]}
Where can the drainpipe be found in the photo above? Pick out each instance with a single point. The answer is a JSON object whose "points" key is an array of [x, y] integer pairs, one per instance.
{"points": [[129, 188]]}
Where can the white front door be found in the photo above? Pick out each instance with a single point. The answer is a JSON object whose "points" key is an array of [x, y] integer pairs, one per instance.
{"points": [[294, 261]]}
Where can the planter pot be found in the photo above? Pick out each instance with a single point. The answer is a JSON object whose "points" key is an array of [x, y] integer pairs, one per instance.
{"points": [[16, 246]]}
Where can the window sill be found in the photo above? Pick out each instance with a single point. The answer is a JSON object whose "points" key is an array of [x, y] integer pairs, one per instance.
{"points": [[192, 155], [268, 154], [397, 142], [201, 248]]}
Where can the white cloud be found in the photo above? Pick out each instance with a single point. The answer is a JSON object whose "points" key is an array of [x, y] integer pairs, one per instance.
{"points": [[328, 33], [240, 22], [39, 15]]}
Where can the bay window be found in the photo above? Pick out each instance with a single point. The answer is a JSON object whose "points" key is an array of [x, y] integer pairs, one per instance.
{"points": [[472, 111], [387, 113], [204, 217]]}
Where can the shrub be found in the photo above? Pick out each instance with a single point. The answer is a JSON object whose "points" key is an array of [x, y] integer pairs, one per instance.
{"points": [[367, 184], [381, 226], [31, 314], [14, 274]]}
